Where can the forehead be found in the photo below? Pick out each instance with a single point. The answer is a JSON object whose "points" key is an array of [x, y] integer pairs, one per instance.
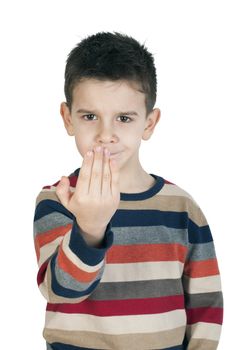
{"points": [[121, 92]]}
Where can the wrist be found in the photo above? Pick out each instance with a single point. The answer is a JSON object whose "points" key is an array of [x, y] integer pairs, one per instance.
{"points": [[92, 236]]}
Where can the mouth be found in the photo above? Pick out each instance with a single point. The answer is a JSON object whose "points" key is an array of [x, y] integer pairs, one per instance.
{"points": [[114, 154]]}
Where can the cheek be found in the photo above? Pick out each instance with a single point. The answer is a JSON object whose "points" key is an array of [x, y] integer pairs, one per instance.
{"points": [[83, 144], [80, 147], [133, 138]]}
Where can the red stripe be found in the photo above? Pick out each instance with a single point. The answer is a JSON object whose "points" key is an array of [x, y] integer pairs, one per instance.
{"points": [[201, 268], [121, 307], [146, 252], [168, 182], [205, 314], [42, 272], [52, 234], [73, 270]]}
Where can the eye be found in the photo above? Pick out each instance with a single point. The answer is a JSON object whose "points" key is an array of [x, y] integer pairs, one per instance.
{"points": [[87, 115], [128, 118]]}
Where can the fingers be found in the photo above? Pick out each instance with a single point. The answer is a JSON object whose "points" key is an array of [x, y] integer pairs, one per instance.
{"points": [[63, 191], [98, 175], [106, 178], [115, 175], [95, 187], [82, 185]]}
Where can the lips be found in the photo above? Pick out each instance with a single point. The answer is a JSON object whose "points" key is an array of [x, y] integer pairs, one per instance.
{"points": [[115, 154]]}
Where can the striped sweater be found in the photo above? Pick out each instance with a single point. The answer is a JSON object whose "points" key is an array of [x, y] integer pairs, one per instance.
{"points": [[154, 283]]}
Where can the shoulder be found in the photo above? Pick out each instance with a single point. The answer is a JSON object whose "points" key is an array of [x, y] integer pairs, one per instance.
{"points": [[174, 191], [48, 192], [179, 200]]}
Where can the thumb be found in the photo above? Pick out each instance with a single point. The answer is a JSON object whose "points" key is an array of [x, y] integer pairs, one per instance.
{"points": [[63, 190]]}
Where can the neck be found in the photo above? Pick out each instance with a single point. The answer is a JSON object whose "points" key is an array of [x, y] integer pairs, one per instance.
{"points": [[138, 181]]}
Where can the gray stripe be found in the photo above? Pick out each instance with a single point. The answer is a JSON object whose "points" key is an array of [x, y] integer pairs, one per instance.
{"points": [[137, 289], [201, 251], [212, 299], [122, 235], [149, 235], [49, 222], [67, 281]]}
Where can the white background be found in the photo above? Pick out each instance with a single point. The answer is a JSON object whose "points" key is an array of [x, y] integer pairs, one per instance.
{"points": [[202, 52]]}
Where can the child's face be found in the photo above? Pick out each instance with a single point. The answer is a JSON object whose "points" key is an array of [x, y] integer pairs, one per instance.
{"points": [[96, 118]]}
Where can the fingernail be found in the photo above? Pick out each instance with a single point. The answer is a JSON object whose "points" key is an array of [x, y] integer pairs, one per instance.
{"points": [[107, 152], [98, 149]]}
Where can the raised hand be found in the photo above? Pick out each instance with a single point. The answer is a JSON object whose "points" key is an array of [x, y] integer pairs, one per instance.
{"points": [[96, 196]]}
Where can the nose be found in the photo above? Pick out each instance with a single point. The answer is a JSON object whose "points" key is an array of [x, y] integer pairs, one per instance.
{"points": [[106, 135]]}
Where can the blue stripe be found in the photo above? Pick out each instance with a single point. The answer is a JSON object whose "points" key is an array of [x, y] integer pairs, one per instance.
{"points": [[177, 220], [199, 234], [123, 217], [48, 206], [89, 255], [127, 218], [65, 292], [139, 217]]}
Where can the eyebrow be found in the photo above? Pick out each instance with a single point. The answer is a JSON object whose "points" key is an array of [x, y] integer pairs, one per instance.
{"points": [[119, 113]]}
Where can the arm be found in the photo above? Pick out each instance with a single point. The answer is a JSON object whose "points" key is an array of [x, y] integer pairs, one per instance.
{"points": [[72, 230], [69, 268], [202, 286]]}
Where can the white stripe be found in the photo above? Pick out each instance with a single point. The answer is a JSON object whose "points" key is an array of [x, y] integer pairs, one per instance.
{"points": [[202, 284], [116, 324], [142, 271], [202, 330], [48, 249]]}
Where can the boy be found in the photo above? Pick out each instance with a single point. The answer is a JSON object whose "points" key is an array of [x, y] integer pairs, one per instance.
{"points": [[126, 258]]}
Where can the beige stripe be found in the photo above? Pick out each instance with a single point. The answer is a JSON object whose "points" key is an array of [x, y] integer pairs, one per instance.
{"points": [[203, 330], [202, 284], [142, 271], [158, 340], [47, 194], [174, 190], [47, 250], [75, 260], [196, 344], [119, 324]]}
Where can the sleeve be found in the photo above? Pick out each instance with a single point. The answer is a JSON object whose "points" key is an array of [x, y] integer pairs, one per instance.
{"points": [[68, 269], [202, 285]]}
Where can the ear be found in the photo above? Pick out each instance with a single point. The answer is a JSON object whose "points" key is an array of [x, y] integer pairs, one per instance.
{"points": [[67, 118], [151, 122]]}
